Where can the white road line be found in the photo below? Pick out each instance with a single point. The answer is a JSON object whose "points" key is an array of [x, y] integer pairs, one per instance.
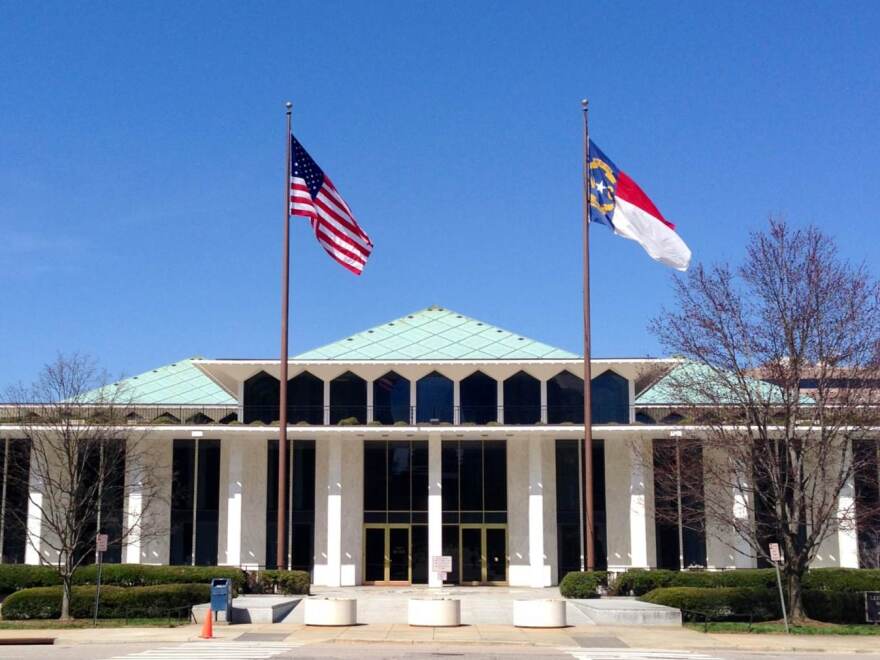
{"points": [[215, 650], [634, 654]]}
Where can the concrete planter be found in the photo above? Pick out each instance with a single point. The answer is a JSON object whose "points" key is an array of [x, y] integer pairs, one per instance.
{"points": [[330, 611], [539, 613], [435, 612]]}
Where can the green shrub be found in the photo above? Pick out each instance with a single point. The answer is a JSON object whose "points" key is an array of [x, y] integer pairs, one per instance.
{"points": [[280, 582], [842, 579], [349, 421], [639, 582], [140, 575], [582, 584], [718, 602], [116, 602], [21, 576], [835, 606]]}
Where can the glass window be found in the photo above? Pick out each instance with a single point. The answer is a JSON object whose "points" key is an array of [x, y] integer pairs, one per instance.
{"points": [[522, 399], [867, 487], [348, 398], [680, 532], [375, 477], [478, 394], [474, 481], [420, 476], [395, 480], [565, 399], [182, 487], [569, 528], [610, 399], [399, 476], [305, 399], [261, 398], [206, 497], [17, 466], [391, 399], [450, 459], [434, 398], [208, 503], [495, 475], [471, 479]]}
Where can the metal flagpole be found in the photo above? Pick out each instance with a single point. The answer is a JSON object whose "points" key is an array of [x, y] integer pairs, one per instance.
{"points": [[588, 411], [280, 560]]}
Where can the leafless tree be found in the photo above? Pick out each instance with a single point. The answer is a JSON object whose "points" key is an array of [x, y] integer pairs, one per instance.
{"points": [[85, 464], [781, 371]]}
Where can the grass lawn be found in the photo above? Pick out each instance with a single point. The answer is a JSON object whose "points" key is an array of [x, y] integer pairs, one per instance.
{"points": [[45, 624], [774, 627]]}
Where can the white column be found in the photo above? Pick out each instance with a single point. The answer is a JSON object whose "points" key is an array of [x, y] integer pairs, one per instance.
{"points": [[847, 541], [334, 512], [500, 401], [638, 511], [743, 555], [326, 403], [413, 389], [536, 514], [544, 402], [456, 402], [233, 501], [134, 511], [435, 505], [34, 527], [371, 414]]}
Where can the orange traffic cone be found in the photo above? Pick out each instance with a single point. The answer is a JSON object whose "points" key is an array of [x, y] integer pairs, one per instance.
{"points": [[208, 625]]}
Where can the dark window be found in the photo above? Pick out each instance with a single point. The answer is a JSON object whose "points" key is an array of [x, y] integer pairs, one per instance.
{"points": [[101, 492], [395, 481], [867, 494], [375, 476], [610, 399], [680, 530], [568, 505], [451, 548], [495, 475], [471, 475], [301, 504], [305, 399], [450, 459], [391, 399], [420, 476], [522, 399], [206, 497], [478, 394], [565, 399], [399, 475], [434, 398], [474, 481], [348, 398], [16, 470], [419, 554], [261, 398]]}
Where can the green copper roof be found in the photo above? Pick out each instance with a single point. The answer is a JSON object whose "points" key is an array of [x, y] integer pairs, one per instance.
{"points": [[179, 383], [435, 333]]}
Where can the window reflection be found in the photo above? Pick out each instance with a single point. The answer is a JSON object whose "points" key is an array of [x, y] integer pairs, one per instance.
{"points": [[348, 399], [478, 394], [434, 398], [391, 399], [522, 399]]}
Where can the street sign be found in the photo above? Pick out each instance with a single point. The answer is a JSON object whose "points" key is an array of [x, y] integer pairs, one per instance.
{"points": [[872, 606], [775, 552], [441, 563], [101, 543]]}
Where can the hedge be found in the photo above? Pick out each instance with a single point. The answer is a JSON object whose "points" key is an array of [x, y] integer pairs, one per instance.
{"points": [[718, 602], [582, 584], [279, 582], [21, 576], [142, 575], [116, 602], [639, 582]]}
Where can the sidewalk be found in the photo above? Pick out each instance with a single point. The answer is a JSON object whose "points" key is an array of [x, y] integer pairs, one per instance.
{"points": [[647, 637]]}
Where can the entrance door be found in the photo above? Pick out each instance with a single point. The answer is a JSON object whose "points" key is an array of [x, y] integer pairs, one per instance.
{"points": [[483, 557], [387, 556]]}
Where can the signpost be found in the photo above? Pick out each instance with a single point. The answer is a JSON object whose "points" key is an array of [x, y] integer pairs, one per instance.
{"points": [[776, 557], [100, 548], [872, 606], [442, 565]]}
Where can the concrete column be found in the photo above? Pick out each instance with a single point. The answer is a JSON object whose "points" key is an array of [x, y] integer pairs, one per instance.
{"points": [[351, 552], [34, 522], [456, 402], [536, 514], [134, 509], [544, 402], [638, 509], [435, 505], [413, 402], [847, 541], [334, 512], [371, 415], [233, 473], [326, 403], [743, 555], [501, 402]]}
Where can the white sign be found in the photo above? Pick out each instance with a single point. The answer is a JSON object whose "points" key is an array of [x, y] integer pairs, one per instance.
{"points": [[775, 552], [101, 543], [441, 563]]}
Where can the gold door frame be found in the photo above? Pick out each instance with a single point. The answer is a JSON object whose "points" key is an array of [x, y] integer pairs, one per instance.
{"points": [[386, 554], [484, 559]]}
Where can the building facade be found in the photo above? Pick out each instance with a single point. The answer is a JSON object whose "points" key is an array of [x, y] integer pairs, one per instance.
{"points": [[433, 434]]}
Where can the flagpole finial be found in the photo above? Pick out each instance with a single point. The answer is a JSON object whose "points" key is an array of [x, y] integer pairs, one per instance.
{"points": [[288, 105], [585, 103]]}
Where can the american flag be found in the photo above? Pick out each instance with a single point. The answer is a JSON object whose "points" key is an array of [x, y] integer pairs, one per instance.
{"points": [[313, 195]]}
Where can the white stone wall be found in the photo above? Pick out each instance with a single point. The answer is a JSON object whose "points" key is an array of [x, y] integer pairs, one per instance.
{"points": [[242, 520]]}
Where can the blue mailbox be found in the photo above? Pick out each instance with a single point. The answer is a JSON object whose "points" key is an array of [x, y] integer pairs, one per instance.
{"points": [[221, 598]]}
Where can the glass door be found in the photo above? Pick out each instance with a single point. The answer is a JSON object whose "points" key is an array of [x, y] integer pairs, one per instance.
{"points": [[387, 554], [483, 554]]}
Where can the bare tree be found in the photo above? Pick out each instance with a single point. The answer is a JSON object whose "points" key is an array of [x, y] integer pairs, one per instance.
{"points": [[780, 369], [85, 464]]}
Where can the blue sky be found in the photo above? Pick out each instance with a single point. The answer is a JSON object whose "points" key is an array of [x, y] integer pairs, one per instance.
{"points": [[141, 156]]}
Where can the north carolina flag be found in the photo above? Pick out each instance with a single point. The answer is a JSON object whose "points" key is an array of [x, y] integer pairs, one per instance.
{"points": [[617, 201]]}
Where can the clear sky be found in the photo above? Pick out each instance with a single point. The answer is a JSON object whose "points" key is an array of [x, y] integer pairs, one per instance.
{"points": [[141, 161]]}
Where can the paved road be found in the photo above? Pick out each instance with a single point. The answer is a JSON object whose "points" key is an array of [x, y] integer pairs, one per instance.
{"points": [[217, 650]]}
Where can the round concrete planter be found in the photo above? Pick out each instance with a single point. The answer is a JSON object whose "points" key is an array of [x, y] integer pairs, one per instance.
{"points": [[436, 612], [539, 613], [330, 611]]}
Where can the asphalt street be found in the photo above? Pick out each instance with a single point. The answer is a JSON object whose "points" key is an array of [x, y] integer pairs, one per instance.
{"points": [[284, 650]]}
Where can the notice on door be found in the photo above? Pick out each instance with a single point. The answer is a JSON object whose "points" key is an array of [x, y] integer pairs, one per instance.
{"points": [[441, 563]]}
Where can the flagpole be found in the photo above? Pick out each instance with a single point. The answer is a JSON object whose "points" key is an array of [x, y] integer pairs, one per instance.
{"points": [[588, 412], [280, 561]]}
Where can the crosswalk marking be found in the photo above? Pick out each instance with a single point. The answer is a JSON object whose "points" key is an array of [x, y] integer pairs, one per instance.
{"points": [[215, 651], [635, 654]]}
